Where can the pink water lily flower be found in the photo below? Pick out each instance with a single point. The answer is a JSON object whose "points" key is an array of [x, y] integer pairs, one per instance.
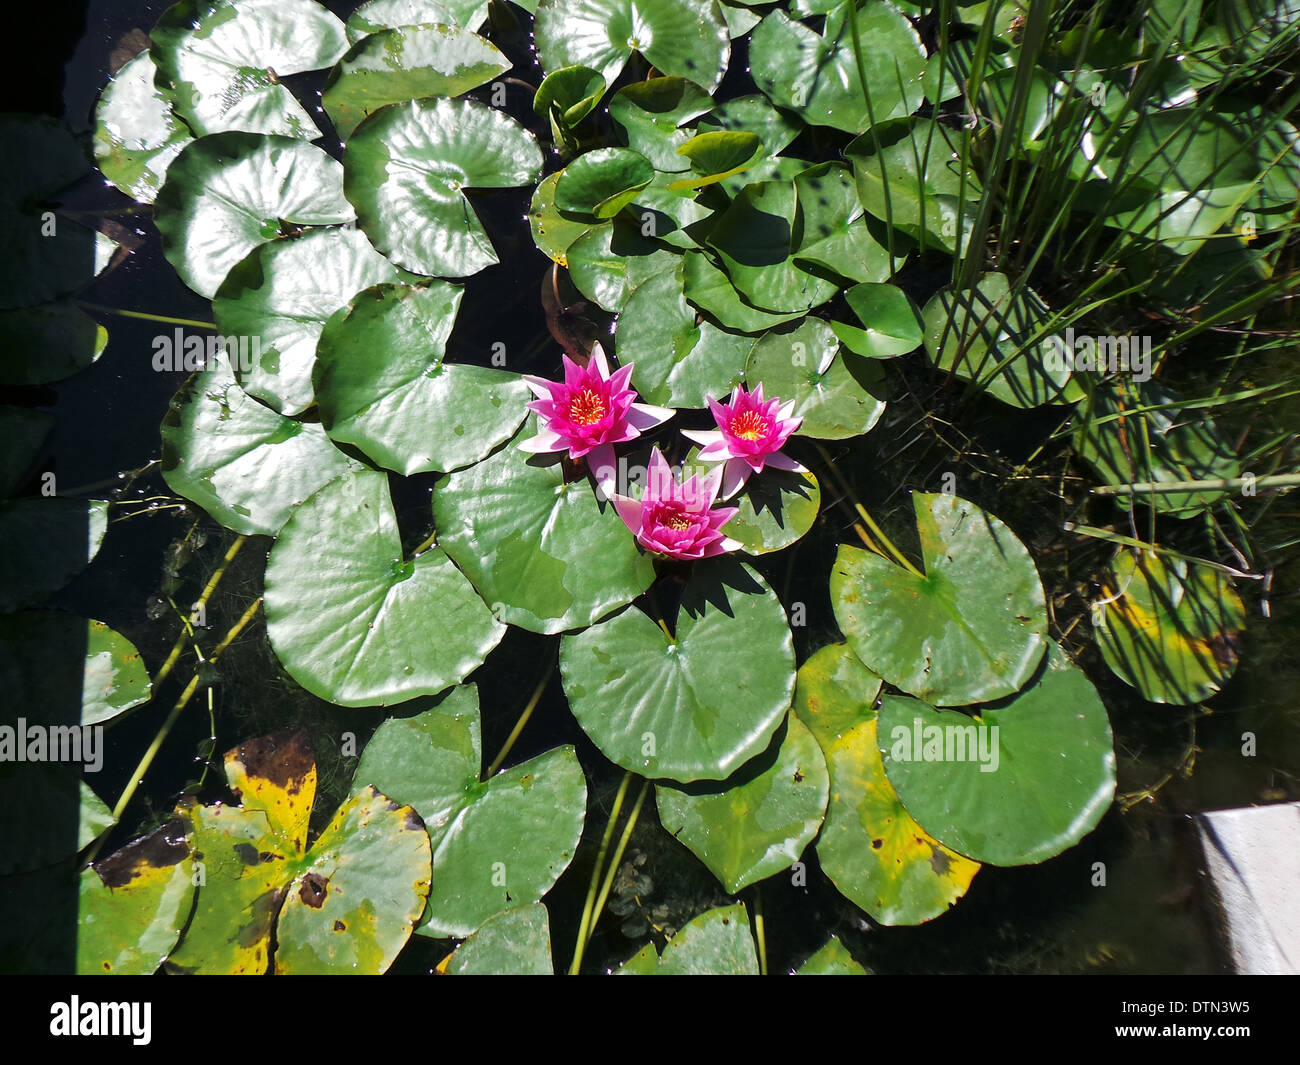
{"points": [[750, 434], [589, 412], [678, 519]]}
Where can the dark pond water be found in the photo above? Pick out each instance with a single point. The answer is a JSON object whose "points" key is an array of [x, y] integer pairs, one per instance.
{"points": [[1152, 915]]}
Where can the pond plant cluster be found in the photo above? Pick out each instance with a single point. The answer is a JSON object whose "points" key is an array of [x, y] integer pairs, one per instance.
{"points": [[767, 224]]}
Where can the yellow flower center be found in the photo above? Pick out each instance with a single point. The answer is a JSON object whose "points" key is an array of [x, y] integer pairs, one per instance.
{"points": [[749, 425], [678, 523], [587, 407]]}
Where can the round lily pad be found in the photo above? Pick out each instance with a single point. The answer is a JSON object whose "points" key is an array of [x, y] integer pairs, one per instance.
{"points": [[355, 622], [1048, 777], [890, 323], [695, 705], [567, 96], [606, 263], [357, 893], [280, 297], [802, 362], [514, 943], [1135, 433], [716, 943], [970, 629], [44, 543], [758, 822], [872, 849], [496, 844], [678, 363], [1168, 627], [754, 236], [603, 182], [973, 332], [685, 38], [832, 231], [833, 692], [709, 288], [816, 75], [228, 193], [244, 464], [407, 166], [553, 233], [48, 343], [137, 134], [132, 905], [22, 435], [407, 63], [539, 548], [222, 62], [39, 672], [381, 383], [652, 115], [376, 15], [776, 508]]}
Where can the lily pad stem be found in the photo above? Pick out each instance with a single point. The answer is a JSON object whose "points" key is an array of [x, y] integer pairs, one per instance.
{"points": [[876, 531], [148, 317], [533, 700]]}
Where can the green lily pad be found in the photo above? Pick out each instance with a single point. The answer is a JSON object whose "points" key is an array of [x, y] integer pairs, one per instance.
{"points": [[754, 114], [833, 234], [137, 134], [133, 904], [678, 363], [891, 325], [409, 63], [407, 409], [356, 623], [832, 960], [227, 194], [1186, 171], [553, 232], [971, 629], [833, 692], [910, 176], [972, 333], [696, 705], [816, 75], [652, 115], [44, 543], [608, 262], [222, 62], [567, 96], [47, 254], [754, 236], [346, 904], [351, 905], [406, 169], [875, 853], [538, 548], [22, 435], [1054, 775], [685, 38], [716, 943], [709, 288], [776, 509], [1169, 628], [603, 182], [1127, 442], [376, 15], [282, 295], [802, 362], [757, 822], [38, 675], [39, 345], [52, 814], [514, 943], [247, 466], [717, 155], [497, 844]]}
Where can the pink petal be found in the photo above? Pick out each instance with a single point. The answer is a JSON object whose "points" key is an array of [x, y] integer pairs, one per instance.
{"points": [[704, 437], [630, 511], [736, 473], [783, 461], [604, 467], [644, 416], [542, 388], [545, 441], [600, 362]]}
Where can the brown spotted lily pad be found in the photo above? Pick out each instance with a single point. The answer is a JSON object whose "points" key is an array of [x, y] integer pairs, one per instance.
{"points": [[346, 904]]}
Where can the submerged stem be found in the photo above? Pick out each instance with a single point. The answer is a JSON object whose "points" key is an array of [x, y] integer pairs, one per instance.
{"points": [[533, 700], [584, 926]]}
